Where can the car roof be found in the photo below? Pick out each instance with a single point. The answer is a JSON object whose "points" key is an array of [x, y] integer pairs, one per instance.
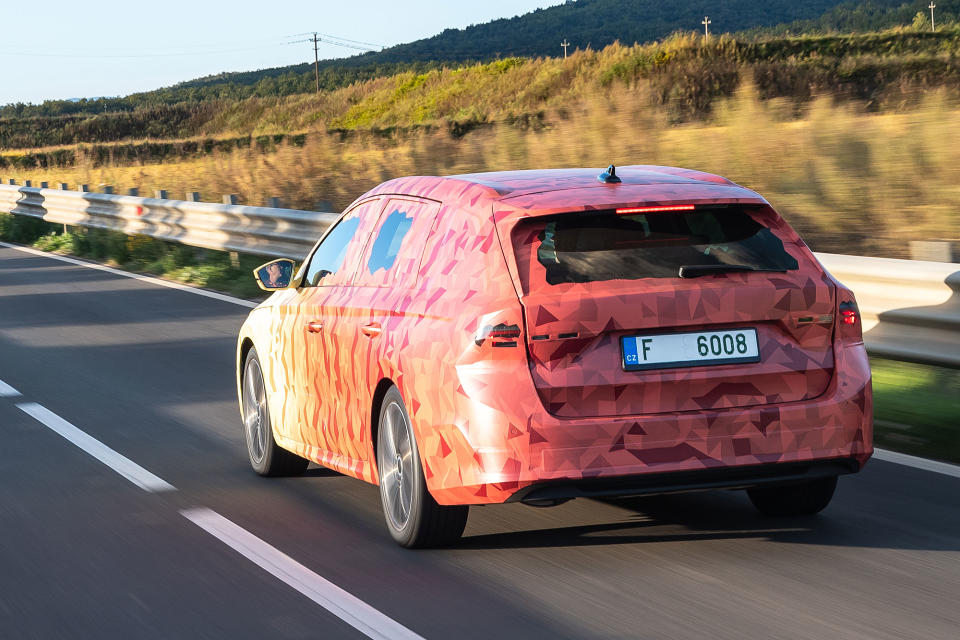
{"points": [[513, 183], [505, 185]]}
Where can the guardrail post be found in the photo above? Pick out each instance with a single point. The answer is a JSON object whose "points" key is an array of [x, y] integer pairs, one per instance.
{"points": [[85, 188], [44, 185], [231, 198], [323, 206], [28, 183], [107, 189], [11, 181], [133, 192], [193, 196], [63, 186], [160, 194], [274, 203]]}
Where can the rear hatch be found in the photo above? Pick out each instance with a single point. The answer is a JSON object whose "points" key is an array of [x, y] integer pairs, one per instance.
{"points": [[635, 310]]}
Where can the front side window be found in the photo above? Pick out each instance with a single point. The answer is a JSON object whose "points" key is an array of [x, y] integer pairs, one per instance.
{"points": [[331, 263]]}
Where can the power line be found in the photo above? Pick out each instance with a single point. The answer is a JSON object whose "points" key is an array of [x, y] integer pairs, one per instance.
{"points": [[329, 39], [370, 44], [337, 40]]}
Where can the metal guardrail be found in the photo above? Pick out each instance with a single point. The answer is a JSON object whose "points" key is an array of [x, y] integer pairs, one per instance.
{"points": [[911, 309], [286, 233]]}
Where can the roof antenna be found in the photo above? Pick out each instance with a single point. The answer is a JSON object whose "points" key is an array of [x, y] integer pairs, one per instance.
{"points": [[609, 176]]}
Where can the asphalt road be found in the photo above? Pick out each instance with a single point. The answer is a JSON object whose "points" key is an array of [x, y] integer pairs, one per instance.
{"points": [[148, 372]]}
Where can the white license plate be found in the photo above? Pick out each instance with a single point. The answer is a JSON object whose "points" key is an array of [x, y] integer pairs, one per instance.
{"points": [[689, 349]]}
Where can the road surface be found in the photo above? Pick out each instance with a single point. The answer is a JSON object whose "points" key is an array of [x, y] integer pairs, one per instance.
{"points": [[128, 509]]}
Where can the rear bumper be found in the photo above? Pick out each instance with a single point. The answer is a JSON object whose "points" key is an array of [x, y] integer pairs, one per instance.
{"points": [[521, 453], [683, 481]]}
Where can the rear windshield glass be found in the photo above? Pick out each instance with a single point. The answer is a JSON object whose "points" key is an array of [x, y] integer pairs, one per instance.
{"points": [[595, 246]]}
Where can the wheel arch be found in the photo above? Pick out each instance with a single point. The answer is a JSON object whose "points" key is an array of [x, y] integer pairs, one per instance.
{"points": [[378, 394], [246, 344], [243, 348]]}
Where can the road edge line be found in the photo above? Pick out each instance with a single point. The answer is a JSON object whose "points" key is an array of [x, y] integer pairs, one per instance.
{"points": [[934, 466], [136, 276]]}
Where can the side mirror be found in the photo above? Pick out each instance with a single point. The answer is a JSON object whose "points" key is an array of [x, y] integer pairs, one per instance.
{"points": [[274, 275]]}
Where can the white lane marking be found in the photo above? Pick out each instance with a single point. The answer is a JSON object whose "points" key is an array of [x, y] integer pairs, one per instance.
{"points": [[6, 391], [121, 464], [917, 463], [136, 276], [355, 612]]}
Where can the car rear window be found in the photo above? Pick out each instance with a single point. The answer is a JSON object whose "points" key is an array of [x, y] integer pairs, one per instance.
{"points": [[604, 245]]}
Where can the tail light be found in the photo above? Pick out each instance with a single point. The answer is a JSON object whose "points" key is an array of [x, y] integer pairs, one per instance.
{"points": [[501, 335], [673, 207], [849, 326]]}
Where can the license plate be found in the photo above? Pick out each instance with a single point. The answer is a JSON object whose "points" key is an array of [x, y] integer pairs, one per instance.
{"points": [[689, 349]]}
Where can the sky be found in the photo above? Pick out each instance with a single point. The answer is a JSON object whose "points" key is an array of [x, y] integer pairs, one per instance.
{"points": [[52, 49]]}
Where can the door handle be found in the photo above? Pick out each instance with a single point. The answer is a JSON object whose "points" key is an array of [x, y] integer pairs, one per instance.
{"points": [[314, 326], [371, 330]]}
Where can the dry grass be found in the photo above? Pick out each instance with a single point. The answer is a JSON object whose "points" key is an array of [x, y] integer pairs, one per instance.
{"points": [[850, 181]]}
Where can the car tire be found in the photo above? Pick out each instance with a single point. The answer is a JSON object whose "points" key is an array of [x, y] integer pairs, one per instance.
{"points": [[413, 517], [799, 499], [266, 457]]}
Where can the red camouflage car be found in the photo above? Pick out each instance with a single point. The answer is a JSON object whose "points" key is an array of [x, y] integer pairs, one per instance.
{"points": [[536, 336]]}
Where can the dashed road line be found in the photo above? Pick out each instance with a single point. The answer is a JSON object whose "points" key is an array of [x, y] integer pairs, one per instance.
{"points": [[917, 463], [6, 391], [121, 464], [355, 612]]}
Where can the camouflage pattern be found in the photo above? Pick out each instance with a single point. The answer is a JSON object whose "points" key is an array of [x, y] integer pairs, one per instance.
{"points": [[494, 417]]}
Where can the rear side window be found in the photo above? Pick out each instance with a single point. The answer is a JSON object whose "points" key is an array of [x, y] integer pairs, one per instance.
{"points": [[396, 247], [598, 246], [386, 247]]}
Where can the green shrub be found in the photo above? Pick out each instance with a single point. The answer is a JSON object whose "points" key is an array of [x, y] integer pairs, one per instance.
{"points": [[22, 229], [144, 249]]}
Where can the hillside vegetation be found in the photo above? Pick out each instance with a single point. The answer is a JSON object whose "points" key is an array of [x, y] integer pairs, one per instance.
{"points": [[852, 137], [682, 75], [586, 24], [850, 181]]}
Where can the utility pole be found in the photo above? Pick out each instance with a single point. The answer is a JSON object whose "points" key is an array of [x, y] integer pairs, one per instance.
{"points": [[316, 60], [564, 44], [706, 22], [933, 26]]}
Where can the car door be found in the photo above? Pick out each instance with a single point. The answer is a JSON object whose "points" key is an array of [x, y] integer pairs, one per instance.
{"points": [[326, 279], [369, 326]]}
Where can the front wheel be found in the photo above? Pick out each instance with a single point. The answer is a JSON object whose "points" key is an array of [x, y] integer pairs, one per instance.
{"points": [[413, 517], [266, 457], [799, 499]]}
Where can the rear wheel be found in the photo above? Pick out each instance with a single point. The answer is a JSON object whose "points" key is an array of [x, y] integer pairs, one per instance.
{"points": [[413, 517], [266, 457], [798, 499]]}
